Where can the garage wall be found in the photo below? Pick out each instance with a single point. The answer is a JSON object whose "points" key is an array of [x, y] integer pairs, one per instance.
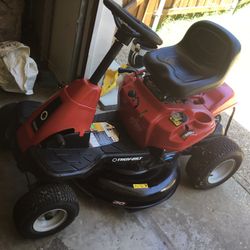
{"points": [[37, 27], [63, 37], [11, 19]]}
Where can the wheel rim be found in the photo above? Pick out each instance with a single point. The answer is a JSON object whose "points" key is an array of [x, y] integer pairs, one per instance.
{"points": [[50, 220], [222, 171]]}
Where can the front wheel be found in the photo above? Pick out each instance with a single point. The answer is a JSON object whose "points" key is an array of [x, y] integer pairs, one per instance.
{"points": [[213, 162], [45, 210]]}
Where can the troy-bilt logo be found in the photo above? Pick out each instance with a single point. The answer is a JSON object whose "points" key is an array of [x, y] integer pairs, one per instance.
{"points": [[126, 159], [119, 203]]}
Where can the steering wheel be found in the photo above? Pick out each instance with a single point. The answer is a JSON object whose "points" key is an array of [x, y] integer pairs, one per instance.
{"points": [[144, 31]]}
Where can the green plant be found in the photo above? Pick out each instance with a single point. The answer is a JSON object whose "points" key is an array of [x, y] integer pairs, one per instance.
{"points": [[189, 16]]}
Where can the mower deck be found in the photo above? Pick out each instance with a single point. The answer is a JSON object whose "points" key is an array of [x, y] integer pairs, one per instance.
{"points": [[133, 192]]}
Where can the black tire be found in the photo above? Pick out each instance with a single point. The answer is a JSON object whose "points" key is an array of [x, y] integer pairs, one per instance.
{"points": [[213, 162], [57, 197]]}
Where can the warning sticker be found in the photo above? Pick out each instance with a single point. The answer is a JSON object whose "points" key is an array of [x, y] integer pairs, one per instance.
{"points": [[139, 186], [178, 118], [103, 133]]}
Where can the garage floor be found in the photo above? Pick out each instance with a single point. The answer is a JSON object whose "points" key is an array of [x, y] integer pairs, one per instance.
{"points": [[191, 219]]}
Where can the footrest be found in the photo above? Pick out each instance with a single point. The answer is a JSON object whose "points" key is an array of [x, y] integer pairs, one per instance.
{"points": [[67, 162], [64, 162]]}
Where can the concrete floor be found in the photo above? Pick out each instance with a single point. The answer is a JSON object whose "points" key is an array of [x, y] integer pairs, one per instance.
{"points": [[191, 219]]}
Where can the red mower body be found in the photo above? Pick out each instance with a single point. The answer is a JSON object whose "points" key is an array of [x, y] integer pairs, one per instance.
{"points": [[149, 121], [73, 107], [146, 119]]}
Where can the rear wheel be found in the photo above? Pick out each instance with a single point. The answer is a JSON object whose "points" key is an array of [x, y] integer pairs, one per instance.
{"points": [[213, 162], [45, 210]]}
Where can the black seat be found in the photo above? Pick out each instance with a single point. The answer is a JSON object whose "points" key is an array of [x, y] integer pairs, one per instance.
{"points": [[197, 63]]}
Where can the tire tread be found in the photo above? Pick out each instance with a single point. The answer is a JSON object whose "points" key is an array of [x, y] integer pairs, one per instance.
{"points": [[209, 154], [43, 196]]}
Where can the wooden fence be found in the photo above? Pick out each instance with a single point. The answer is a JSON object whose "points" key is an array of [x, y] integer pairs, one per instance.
{"points": [[144, 10], [173, 7], [147, 10]]}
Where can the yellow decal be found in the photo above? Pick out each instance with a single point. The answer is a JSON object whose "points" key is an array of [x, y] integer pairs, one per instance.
{"points": [[137, 186], [177, 118]]}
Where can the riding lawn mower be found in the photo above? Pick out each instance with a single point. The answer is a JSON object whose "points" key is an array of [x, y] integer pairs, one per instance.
{"points": [[168, 108]]}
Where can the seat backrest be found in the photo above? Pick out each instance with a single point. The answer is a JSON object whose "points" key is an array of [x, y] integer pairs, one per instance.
{"points": [[212, 45]]}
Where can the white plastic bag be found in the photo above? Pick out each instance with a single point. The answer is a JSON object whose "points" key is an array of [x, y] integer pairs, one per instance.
{"points": [[18, 71]]}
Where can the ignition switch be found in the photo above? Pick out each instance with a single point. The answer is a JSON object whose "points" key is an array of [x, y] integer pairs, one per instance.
{"points": [[132, 93]]}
